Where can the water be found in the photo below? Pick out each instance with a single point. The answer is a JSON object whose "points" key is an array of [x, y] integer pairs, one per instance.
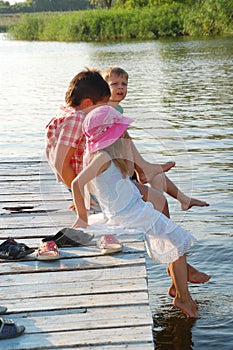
{"points": [[180, 94]]}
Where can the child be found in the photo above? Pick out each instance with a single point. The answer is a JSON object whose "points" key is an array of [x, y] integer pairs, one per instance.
{"points": [[64, 138], [65, 141], [117, 78], [108, 169]]}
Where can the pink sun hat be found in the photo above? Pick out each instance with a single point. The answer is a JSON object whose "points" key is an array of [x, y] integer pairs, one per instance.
{"points": [[103, 126]]}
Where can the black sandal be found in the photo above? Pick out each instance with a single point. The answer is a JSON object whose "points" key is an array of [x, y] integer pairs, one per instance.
{"points": [[10, 249], [69, 237], [8, 329]]}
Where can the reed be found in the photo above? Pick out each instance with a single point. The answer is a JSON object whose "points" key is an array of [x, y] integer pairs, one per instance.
{"points": [[122, 24]]}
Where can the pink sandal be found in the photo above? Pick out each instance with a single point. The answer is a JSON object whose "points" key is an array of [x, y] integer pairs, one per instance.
{"points": [[109, 244], [48, 251]]}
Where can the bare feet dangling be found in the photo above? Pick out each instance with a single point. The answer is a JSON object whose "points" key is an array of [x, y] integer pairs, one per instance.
{"points": [[187, 306], [188, 203], [194, 276]]}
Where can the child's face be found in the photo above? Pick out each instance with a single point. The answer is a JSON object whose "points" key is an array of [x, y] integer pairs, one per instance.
{"points": [[118, 87]]}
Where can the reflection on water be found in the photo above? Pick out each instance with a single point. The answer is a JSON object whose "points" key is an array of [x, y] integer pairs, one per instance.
{"points": [[172, 331], [180, 95]]}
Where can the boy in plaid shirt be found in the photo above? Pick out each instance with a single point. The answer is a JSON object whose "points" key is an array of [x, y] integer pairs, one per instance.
{"points": [[65, 142]]}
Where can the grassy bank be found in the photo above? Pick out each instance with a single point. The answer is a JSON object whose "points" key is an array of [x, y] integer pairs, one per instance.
{"points": [[212, 18]]}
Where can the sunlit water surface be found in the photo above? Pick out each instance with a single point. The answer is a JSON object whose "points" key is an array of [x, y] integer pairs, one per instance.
{"points": [[180, 95]]}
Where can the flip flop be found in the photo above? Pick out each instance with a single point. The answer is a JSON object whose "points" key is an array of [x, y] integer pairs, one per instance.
{"points": [[109, 244], [48, 251], [3, 310], [8, 329], [10, 249], [69, 237]]}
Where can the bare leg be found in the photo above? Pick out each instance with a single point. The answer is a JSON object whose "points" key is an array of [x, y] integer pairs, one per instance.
{"points": [[182, 300], [155, 197], [162, 183], [194, 276]]}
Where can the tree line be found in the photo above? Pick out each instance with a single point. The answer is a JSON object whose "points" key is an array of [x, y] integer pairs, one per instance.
{"points": [[44, 6], [76, 5]]}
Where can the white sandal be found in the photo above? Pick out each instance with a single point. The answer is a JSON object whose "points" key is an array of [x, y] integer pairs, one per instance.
{"points": [[109, 244]]}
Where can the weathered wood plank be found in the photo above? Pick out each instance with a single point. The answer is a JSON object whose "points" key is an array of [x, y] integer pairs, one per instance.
{"points": [[70, 288], [104, 274], [83, 319], [77, 301]]}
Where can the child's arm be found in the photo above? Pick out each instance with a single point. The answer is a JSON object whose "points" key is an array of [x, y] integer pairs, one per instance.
{"points": [[62, 163], [99, 164]]}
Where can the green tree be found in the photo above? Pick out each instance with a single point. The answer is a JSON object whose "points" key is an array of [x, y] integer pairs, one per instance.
{"points": [[102, 3]]}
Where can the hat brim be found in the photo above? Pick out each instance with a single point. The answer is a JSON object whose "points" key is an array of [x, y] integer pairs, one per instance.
{"points": [[110, 136]]}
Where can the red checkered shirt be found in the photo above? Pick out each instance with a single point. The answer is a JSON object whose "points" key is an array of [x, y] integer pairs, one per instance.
{"points": [[66, 128]]}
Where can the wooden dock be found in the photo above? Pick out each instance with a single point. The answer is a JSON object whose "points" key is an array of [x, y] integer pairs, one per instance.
{"points": [[84, 300]]}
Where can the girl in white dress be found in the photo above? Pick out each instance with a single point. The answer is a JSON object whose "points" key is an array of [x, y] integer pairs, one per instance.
{"points": [[109, 165]]}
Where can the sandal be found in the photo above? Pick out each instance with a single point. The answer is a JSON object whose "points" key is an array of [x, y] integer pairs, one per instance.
{"points": [[3, 310], [10, 249], [8, 329], [48, 251], [70, 237], [109, 244]]}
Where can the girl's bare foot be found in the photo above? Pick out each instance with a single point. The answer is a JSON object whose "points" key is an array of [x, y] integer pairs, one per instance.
{"points": [[187, 306], [152, 170], [172, 293], [194, 275], [188, 203]]}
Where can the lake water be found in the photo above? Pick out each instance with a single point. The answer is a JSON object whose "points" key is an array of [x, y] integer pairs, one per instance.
{"points": [[180, 95]]}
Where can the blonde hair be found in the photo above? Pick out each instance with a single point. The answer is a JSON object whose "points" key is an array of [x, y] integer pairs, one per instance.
{"points": [[106, 74], [116, 151]]}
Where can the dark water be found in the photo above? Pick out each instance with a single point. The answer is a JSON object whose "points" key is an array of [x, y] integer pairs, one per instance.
{"points": [[180, 94]]}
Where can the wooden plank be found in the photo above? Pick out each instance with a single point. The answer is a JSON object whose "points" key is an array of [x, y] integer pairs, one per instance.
{"points": [[81, 319], [104, 274], [70, 288], [76, 301]]}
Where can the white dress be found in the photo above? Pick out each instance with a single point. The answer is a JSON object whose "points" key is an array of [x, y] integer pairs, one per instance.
{"points": [[122, 205]]}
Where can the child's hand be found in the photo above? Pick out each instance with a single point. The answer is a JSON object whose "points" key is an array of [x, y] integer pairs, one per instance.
{"points": [[79, 223]]}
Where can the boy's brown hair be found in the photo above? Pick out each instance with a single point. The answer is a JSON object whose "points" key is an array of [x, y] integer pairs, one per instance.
{"points": [[114, 70], [88, 83]]}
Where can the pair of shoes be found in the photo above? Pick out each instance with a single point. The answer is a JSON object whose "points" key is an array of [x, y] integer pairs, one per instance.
{"points": [[10, 249], [9, 329], [70, 237], [109, 244], [3, 310], [48, 251]]}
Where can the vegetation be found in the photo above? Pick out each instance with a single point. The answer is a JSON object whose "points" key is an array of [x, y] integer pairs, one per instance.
{"points": [[44, 5], [127, 19]]}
